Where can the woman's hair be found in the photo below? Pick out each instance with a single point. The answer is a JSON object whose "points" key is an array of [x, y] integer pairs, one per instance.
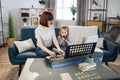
{"points": [[45, 17], [64, 27]]}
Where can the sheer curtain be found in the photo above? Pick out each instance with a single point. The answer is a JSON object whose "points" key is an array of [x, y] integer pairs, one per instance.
{"points": [[81, 12], [50, 4]]}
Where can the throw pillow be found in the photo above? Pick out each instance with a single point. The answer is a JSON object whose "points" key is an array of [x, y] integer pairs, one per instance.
{"points": [[100, 43], [24, 45], [90, 39], [118, 40]]}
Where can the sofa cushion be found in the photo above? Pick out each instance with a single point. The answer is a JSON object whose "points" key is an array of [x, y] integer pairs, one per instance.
{"points": [[24, 45], [27, 54], [100, 43], [77, 33], [118, 40], [90, 39]]}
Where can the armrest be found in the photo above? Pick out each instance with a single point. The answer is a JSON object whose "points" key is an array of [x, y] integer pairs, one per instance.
{"points": [[112, 47], [12, 52]]}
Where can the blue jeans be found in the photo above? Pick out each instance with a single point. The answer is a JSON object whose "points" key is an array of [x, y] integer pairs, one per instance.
{"points": [[42, 53]]}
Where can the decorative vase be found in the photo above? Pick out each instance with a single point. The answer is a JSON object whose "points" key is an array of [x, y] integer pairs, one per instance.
{"points": [[10, 41], [25, 24], [91, 60], [73, 18]]}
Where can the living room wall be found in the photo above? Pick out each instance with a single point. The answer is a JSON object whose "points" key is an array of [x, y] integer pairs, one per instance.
{"points": [[14, 5], [113, 8]]}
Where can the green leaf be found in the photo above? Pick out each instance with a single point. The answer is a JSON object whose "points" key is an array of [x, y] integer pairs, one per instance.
{"points": [[73, 9], [90, 55], [42, 1], [10, 27]]}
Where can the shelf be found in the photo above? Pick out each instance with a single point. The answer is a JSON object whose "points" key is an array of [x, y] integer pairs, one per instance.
{"points": [[112, 21], [97, 9], [113, 18], [97, 14], [94, 21], [30, 16]]}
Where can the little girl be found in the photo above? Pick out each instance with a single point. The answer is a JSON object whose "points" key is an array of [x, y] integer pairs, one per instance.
{"points": [[63, 37]]}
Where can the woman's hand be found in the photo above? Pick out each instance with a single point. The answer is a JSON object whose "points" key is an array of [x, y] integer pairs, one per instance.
{"points": [[61, 51], [53, 54]]}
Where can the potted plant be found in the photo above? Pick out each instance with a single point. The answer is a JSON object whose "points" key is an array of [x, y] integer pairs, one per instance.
{"points": [[11, 37], [90, 58], [73, 10], [118, 16], [42, 2]]}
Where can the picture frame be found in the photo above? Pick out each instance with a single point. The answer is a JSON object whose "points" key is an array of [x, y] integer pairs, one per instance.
{"points": [[97, 16]]}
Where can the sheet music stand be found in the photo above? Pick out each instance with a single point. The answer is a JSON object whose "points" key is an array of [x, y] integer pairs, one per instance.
{"points": [[79, 49]]}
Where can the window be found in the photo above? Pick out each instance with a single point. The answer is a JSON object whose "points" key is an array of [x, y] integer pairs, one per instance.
{"points": [[63, 11]]}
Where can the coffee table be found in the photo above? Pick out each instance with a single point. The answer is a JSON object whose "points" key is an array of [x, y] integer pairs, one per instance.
{"points": [[37, 69]]}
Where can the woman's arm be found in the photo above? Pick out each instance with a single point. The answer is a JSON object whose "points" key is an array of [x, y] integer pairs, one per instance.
{"points": [[55, 41], [40, 43]]}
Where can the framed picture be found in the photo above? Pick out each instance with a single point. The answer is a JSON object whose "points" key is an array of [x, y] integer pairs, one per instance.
{"points": [[97, 16]]}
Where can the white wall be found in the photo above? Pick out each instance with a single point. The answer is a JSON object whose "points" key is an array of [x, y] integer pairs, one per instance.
{"points": [[13, 7], [66, 22], [113, 8]]}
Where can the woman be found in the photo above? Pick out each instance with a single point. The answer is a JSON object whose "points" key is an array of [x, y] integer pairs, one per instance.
{"points": [[45, 35]]}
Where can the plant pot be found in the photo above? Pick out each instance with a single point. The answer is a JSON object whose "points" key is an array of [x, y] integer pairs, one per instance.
{"points": [[10, 41], [91, 60], [73, 18]]}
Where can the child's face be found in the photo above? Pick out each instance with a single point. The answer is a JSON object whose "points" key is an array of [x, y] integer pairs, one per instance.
{"points": [[64, 33]]}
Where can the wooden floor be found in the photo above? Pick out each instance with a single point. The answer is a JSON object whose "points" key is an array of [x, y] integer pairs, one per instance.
{"points": [[115, 65], [7, 70]]}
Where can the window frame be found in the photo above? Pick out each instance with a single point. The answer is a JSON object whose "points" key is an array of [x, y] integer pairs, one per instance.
{"points": [[63, 8]]}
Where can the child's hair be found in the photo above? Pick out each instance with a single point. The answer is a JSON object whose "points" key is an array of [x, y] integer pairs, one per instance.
{"points": [[65, 28]]}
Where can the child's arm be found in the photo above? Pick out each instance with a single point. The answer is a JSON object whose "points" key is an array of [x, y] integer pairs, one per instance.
{"points": [[68, 41], [60, 40]]}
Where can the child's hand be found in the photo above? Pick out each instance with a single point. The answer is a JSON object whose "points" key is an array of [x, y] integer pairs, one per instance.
{"points": [[66, 41], [63, 40]]}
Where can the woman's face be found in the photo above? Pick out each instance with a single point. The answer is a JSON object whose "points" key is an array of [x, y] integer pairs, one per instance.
{"points": [[50, 22], [64, 33]]}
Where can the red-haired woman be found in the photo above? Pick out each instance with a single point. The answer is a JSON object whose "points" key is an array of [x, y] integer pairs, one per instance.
{"points": [[45, 35]]}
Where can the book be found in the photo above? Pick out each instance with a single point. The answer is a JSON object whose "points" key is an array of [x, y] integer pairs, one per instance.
{"points": [[87, 66]]}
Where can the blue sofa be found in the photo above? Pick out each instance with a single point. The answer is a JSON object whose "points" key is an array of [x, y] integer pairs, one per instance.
{"points": [[110, 51]]}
